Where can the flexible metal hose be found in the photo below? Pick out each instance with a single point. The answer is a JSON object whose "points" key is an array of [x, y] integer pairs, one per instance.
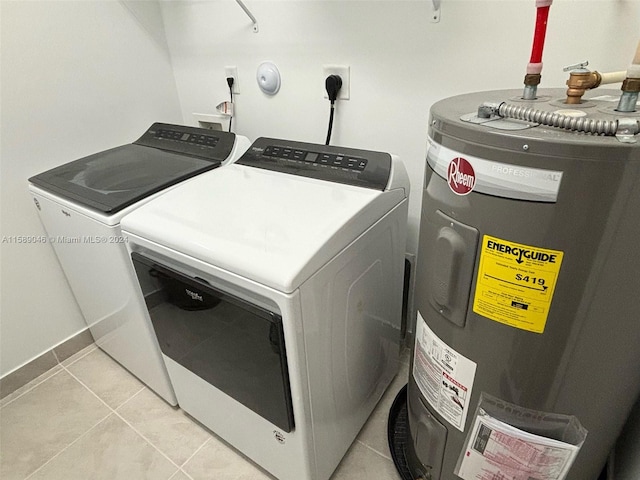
{"points": [[551, 119]]}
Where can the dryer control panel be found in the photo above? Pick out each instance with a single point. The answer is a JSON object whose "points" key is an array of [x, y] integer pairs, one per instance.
{"points": [[350, 166]]}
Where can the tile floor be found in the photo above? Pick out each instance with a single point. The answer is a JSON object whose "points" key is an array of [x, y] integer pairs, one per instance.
{"points": [[88, 418]]}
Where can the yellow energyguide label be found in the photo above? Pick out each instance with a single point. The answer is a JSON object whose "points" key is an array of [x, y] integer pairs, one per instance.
{"points": [[515, 283]]}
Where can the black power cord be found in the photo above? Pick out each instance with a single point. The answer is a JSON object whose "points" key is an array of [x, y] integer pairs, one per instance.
{"points": [[230, 81], [333, 84]]}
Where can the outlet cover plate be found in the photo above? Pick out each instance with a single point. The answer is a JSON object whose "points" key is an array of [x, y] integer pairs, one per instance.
{"points": [[344, 72], [232, 72]]}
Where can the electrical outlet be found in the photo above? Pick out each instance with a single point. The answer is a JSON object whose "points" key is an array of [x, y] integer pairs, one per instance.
{"points": [[343, 71], [232, 72]]}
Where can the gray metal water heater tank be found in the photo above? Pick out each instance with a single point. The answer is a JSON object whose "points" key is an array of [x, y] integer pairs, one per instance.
{"points": [[527, 288]]}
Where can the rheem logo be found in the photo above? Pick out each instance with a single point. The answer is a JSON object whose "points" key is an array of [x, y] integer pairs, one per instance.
{"points": [[461, 176]]}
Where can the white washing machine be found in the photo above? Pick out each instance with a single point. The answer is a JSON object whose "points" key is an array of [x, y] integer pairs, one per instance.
{"points": [[80, 205], [275, 289]]}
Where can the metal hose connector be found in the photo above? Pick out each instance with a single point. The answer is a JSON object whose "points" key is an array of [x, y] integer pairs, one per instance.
{"points": [[552, 119]]}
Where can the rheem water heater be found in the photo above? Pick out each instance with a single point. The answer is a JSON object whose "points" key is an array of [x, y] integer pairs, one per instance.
{"points": [[526, 361]]}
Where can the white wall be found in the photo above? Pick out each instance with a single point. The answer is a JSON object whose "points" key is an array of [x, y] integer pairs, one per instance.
{"points": [[400, 62], [76, 78]]}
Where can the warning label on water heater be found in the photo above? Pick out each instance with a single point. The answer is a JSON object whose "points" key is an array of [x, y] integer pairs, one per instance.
{"points": [[516, 283], [443, 375]]}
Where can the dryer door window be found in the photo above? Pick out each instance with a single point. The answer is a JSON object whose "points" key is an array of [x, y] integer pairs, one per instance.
{"points": [[235, 346]]}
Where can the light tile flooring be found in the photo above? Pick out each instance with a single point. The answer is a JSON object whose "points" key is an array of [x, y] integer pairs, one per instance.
{"points": [[88, 418]]}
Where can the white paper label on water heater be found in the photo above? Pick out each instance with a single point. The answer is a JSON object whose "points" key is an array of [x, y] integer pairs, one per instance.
{"points": [[495, 449], [444, 376]]}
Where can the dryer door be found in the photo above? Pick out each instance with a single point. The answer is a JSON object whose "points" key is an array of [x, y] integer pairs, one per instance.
{"points": [[235, 346]]}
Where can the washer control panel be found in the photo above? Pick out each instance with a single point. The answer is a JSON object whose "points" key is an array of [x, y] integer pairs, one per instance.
{"points": [[336, 164], [199, 142], [197, 138]]}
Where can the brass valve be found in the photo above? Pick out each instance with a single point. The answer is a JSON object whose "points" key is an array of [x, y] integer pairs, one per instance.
{"points": [[579, 82]]}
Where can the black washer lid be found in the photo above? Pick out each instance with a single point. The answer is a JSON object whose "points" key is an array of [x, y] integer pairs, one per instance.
{"points": [[114, 179]]}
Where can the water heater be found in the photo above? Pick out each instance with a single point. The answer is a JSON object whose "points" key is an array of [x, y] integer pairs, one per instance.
{"points": [[526, 360]]}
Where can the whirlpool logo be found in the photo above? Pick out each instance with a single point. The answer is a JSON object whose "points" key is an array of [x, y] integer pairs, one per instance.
{"points": [[194, 295]]}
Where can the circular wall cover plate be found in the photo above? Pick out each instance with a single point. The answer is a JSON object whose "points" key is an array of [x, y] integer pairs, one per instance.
{"points": [[268, 78]]}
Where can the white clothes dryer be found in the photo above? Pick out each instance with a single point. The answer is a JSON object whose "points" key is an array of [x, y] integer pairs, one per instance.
{"points": [[274, 286], [80, 205]]}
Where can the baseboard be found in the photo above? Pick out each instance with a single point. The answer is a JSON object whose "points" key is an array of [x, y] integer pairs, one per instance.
{"points": [[45, 362]]}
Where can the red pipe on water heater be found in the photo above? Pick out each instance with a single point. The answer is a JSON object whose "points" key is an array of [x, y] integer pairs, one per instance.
{"points": [[534, 67], [541, 29]]}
